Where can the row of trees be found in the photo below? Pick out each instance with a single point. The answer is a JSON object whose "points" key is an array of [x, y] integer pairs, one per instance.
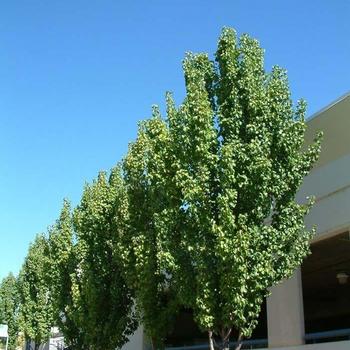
{"points": [[201, 214]]}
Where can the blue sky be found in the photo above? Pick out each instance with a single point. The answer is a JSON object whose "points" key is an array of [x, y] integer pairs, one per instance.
{"points": [[76, 76]]}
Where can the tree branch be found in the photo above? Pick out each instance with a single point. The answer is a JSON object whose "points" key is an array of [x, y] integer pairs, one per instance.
{"points": [[211, 342], [239, 341]]}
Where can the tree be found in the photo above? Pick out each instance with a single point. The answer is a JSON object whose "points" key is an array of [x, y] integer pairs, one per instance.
{"points": [[9, 308], [35, 299], [230, 226], [98, 221], [146, 265], [64, 284]]}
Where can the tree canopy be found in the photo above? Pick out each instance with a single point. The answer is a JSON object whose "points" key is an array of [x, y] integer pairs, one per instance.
{"points": [[145, 173], [34, 293], [9, 304], [108, 317], [63, 279], [229, 164]]}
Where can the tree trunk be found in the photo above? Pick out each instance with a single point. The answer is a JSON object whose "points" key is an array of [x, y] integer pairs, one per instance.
{"points": [[225, 344], [28, 344], [225, 339], [211, 341], [239, 342], [238, 346], [153, 343]]}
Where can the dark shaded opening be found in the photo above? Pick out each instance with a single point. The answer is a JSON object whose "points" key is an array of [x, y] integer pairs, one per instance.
{"points": [[326, 297]]}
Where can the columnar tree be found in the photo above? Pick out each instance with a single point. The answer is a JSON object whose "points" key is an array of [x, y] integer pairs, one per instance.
{"points": [[35, 299], [63, 279], [9, 304], [146, 259], [107, 319], [236, 162]]}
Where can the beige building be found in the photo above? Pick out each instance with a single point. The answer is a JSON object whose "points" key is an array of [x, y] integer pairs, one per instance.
{"points": [[311, 311]]}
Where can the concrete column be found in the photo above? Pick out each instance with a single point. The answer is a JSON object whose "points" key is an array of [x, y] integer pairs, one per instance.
{"points": [[285, 313]]}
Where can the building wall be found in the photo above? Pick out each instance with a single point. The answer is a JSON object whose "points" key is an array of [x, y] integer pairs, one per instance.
{"points": [[329, 182], [334, 121]]}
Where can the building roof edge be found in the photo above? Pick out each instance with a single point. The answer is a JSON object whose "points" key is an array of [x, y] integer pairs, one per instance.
{"points": [[330, 105]]}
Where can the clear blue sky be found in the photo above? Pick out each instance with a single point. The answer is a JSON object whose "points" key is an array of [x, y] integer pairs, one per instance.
{"points": [[76, 76]]}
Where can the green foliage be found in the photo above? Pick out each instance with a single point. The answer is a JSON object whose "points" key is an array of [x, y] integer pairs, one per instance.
{"points": [[63, 280], [214, 188], [145, 257], [9, 304], [35, 299], [106, 302]]}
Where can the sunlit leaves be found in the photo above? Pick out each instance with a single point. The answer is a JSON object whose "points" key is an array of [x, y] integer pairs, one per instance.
{"points": [[9, 304], [35, 298], [212, 186]]}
